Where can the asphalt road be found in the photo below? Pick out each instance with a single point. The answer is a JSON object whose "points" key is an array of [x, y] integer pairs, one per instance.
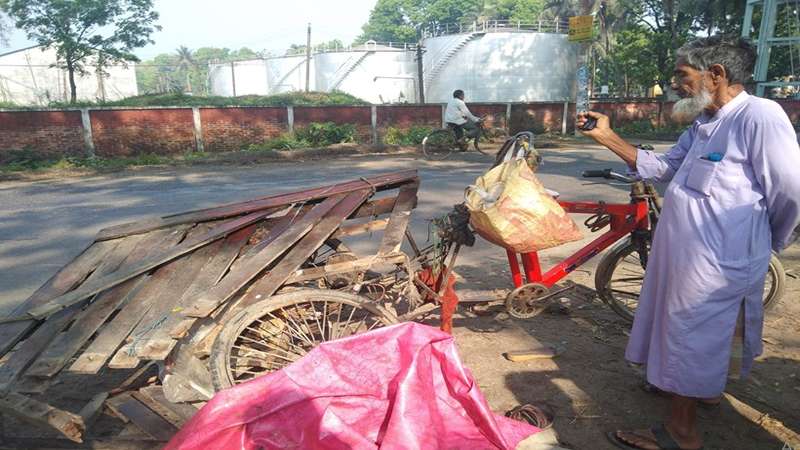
{"points": [[44, 224]]}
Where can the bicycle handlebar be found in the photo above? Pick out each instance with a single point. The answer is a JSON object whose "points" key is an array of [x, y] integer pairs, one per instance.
{"points": [[608, 174]]}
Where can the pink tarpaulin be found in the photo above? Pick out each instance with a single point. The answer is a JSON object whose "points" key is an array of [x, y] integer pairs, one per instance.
{"points": [[400, 387]]}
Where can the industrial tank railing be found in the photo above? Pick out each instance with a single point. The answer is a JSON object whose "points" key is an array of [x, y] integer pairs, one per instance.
{"points": [[555, 25]]}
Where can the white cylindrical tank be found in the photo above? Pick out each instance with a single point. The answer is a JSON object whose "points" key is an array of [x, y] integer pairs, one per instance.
{"points": [[288, 73], [376, 74], [500, 67]]}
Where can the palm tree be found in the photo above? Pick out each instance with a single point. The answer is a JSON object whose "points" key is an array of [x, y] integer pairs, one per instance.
{"points": [[186, 63]]}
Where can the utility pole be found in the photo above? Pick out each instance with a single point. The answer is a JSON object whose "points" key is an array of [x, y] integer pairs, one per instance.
{"points": [[308, 56], [233, 77], [420, 78]]}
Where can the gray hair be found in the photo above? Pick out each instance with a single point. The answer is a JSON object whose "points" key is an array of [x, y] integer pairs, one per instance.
{"points": [[736, 55]]}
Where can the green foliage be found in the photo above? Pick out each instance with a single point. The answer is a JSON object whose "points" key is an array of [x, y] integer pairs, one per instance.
{"points": [[326, 133], [646, 129], [315, 135], [410, 136], [101, 31], [29, 160]]}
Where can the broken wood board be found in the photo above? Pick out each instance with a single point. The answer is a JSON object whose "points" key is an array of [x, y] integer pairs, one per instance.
{"points": [[245, 272], [175, 413], [398, 222], [94, 357], [124, 405], [88, 321], [30, 349], [23, 407], [358, 265], [379, 182], [292, 261], [91, 288], [62, 282], [161, 341]]}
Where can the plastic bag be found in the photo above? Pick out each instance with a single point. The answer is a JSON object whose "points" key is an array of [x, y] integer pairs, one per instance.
{"points": [[399, 387], [510, 207]]}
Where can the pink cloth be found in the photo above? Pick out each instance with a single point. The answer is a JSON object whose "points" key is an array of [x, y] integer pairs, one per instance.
{"points": [[400, 387]]}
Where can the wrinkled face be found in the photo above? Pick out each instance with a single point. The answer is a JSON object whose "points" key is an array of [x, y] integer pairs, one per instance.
{"points": [[687, 81]]}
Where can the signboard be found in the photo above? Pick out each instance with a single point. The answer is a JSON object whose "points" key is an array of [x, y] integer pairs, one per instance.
{"points": [[580, 28]]}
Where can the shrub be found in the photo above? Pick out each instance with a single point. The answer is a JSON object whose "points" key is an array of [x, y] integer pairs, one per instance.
{"points": [[326, 133], [286, 141], [411, 136]]}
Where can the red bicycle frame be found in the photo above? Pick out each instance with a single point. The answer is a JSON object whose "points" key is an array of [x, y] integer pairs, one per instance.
{"points": [[625, 218]]}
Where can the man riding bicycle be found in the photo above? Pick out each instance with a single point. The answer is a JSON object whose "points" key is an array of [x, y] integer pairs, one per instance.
{"points": [[458, 118]]}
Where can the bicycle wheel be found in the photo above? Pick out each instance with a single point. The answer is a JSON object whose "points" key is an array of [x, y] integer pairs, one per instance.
{"points": [[775, 284], [490, 140], [620, 276], [273, 333], [439, 144]]}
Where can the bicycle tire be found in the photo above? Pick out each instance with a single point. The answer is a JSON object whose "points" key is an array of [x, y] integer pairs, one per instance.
{"points": [[774, 288], [271, 315], [439, 144], [489, 139]]}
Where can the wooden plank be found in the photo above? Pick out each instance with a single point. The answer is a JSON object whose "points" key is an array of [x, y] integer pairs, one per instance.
{"points": [[379, 182], [91, 410], [187, 378], [175, 413], [23, 407], [142, 416], [88, 289], [94, 357], [63, 281], [246, 272], [87, 322], [276, 277], [361, 264], [159, 343], [398, 222], [360, 228], [170, 304], [19, 361], [124, 358]]}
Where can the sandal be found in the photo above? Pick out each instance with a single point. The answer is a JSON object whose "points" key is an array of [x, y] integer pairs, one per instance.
{"points": [[663, 439], [534, 415]]}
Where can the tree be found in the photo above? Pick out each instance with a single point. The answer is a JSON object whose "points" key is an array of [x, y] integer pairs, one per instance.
{"points": [[185, 64], [81, 31]]}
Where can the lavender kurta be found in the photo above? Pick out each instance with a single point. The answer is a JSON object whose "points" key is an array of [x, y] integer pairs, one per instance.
{"points": [[711, 250]]}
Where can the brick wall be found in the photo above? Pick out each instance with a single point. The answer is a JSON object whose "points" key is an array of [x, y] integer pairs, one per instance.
{"points": [[228, 129], [120, 132], [140, 131], [48, 132], [360, 116]]}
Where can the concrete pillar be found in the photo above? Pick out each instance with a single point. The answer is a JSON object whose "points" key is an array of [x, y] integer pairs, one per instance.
{"points": [[199, 144], [508, 117], [374, 117], [290, 118], [564, 119], [443, 122], [88, 141]]}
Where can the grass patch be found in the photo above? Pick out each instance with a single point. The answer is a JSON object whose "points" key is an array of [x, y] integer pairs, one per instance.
{"points": [[27, 160], [409, 136]]}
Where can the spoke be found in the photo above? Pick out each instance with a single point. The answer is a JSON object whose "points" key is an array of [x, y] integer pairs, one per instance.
{"points": [[319, 325], [264, 353], [284, 331], [268, 346], [377, 322], [324, 318], [302, 315], [342, 328], [633, 294], [266, 341], [309, 338], [338, 319]]}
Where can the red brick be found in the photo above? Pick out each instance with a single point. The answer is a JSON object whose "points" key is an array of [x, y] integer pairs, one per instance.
{"points": [[140, 131]]}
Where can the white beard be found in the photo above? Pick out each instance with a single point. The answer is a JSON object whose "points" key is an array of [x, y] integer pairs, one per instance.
{"points": [[686, 110]]}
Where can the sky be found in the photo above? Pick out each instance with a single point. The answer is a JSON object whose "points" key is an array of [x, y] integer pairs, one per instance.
{"points": [[271, 25]]}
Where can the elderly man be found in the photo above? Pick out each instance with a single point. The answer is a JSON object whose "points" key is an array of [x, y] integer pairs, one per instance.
{"points": [[733, 196]]}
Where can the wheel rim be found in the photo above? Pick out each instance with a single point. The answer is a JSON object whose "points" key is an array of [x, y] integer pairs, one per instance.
{"points": [[523, 302], [625, 283], [439, 144], [770, 285], [284, 334]]}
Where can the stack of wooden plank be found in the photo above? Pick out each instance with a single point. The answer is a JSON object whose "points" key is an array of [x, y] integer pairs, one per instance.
{"points": [[160, 289]]}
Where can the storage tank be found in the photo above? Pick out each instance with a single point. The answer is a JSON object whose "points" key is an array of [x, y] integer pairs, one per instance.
{"points": [[375, 73], [288, 73], [501, 66]]}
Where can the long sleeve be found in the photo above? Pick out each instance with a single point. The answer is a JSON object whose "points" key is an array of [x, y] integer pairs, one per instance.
{"points": [[662, 166], [462, 107], [775, 157]]}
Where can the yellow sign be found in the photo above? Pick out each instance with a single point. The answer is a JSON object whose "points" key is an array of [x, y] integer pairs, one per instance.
{"points": [[580, 28]]}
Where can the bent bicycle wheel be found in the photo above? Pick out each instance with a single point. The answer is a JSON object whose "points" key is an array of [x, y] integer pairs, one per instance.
{"points": [[439, 144], [275, 332]]}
